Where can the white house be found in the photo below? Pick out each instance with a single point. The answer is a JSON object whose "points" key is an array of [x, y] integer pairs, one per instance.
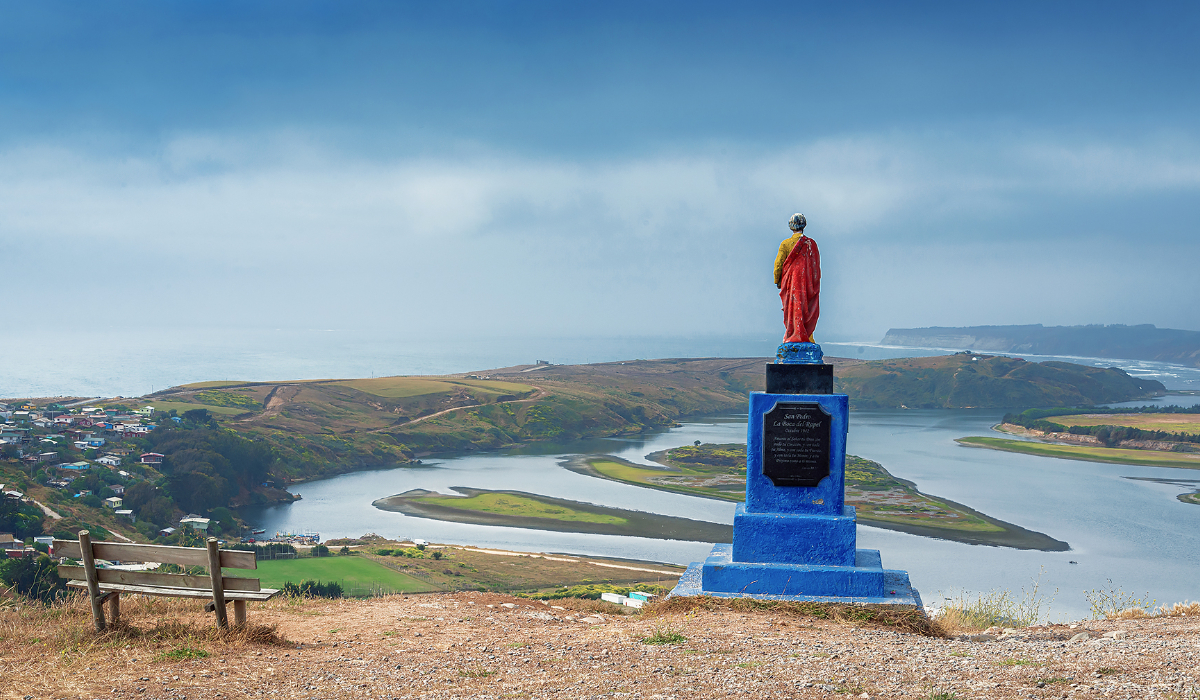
{"points": [[196, 522], [114, 502], [109, 460]]}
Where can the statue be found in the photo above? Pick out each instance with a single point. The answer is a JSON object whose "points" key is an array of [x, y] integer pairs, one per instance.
{"points": [[798, 276]]}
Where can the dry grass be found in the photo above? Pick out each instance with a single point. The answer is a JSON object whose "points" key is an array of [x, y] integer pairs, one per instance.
{"points": [[1184, 609], [154, 624], [908, 619]]}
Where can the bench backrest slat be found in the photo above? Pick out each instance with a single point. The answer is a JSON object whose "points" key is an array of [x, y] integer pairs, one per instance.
{"points": [[183, 556], [150, 578]]}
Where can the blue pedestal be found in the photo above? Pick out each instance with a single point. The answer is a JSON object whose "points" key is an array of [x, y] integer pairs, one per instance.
{"points": [[796, 542], [827, 497], [790, 538]]}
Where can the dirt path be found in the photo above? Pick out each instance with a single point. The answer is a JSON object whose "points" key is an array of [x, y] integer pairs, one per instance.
{"points": [[46, 509], [279, 397]]}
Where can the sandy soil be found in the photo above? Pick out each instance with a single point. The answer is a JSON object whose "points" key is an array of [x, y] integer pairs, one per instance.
{"points": [[472, 645]]}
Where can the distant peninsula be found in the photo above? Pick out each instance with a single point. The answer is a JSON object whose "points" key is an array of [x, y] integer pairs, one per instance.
{"points": [[1144, 342]]}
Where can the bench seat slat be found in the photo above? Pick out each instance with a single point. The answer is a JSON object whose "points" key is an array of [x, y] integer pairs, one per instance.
{"points": [[183, 556], [152, 578], [264, 594]]}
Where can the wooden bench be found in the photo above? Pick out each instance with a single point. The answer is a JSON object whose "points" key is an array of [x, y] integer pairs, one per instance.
{"points": [[107, 585]]}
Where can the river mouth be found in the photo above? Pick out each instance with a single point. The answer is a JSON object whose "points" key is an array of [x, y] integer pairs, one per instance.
{"points": [[1135, 533]]}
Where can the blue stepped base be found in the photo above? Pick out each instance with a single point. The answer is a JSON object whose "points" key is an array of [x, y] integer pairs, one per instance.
{"points": [[867, 582], [795, 538]]}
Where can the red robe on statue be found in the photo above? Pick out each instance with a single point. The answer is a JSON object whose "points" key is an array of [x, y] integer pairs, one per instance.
{"points": [[800, 290]]}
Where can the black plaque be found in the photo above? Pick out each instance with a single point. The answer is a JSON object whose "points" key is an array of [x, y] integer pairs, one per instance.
{"points": [[795, 444]]}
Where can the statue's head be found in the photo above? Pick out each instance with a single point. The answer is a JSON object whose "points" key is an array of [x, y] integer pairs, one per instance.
{"points": [[797, 222]]}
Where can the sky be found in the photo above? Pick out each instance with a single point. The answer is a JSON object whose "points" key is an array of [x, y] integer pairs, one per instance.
{"points": [[487, 169]]}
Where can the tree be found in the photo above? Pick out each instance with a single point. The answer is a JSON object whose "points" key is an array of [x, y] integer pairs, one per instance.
{"points": [[20, 518], [34, 577]]}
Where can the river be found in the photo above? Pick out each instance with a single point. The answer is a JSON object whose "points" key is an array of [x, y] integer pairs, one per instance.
{"points": [[1133, 533]]}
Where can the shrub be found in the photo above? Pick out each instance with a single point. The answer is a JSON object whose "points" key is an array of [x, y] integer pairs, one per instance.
{"points": [[1112, 603], [344, 550], [269, 550], [995, 608], [313, 589], [383, 552], [437, 555], [665, 635], [35, 578], [319, 550]]}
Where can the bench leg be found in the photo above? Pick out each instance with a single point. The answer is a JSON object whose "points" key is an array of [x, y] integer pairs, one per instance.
{"points": [[239, 612], [115, 606]]}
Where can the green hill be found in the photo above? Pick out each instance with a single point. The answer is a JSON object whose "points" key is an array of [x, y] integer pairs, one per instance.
{"points": [[318, 428]]}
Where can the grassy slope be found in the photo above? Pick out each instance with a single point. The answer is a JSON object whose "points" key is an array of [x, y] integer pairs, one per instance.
{"points": [[347, 570], [323, 427], [180, 407], [1109, 455]]}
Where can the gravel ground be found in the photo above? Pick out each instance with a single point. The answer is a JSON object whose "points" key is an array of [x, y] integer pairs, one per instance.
{"points": [[473, 645]]}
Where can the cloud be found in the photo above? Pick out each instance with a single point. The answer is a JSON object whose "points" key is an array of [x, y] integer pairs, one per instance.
{"points": [[286, 228]]}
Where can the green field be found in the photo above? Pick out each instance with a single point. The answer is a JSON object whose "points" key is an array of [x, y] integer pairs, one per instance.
{"points": [[519, 506], [1167, 422], [1109, 455], [350, 571], [180, 406]]}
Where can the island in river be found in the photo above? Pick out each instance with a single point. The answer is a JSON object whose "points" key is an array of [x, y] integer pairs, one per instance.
{"points": [[712, 471], [881, 500], [534, 511]]}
